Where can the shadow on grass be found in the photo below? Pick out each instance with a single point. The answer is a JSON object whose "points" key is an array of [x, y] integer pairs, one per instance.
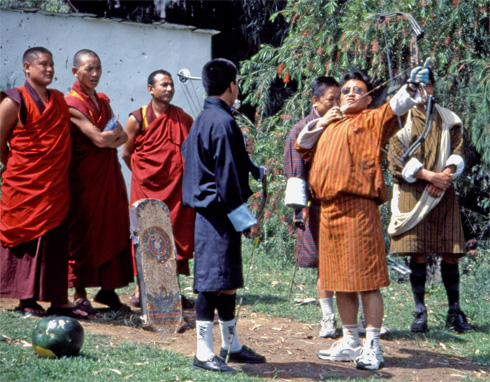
{"points": [[251, 299], [313, 371], [402, 365], [433, 334], [419, 359]]}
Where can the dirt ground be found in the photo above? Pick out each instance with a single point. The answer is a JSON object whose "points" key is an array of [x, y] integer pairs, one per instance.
{"points": [[290, 348]]}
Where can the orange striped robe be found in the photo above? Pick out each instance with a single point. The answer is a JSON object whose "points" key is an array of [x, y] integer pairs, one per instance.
{"points": [[346, 176]]}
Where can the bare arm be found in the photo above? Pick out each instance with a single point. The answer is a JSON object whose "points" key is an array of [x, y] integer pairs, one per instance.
{"points": [[439, 181], [9, 111], [99, 138], [131, 129]]}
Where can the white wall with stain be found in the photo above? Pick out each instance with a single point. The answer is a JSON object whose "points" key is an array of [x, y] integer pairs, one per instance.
{"points": [[129, 53]]}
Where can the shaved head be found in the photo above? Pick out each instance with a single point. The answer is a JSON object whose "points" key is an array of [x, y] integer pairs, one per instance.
{"points": [[33, 53], [77, 60]]}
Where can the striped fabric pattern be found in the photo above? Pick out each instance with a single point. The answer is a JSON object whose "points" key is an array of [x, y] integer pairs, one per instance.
{"points": [[441, 231], [346, 176], [347, 159], [295, 166], [353, 257], [307, 239]]}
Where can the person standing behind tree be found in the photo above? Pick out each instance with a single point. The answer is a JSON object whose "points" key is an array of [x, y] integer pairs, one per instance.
{"points": [[425, 214], [156, 133], [326, 94], [35, 153], [100, 251]]}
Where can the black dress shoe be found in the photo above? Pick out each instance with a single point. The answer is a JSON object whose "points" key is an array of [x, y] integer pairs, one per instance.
{"points": [[244, 355], [456, 320], [214, 364], [419, 324]]}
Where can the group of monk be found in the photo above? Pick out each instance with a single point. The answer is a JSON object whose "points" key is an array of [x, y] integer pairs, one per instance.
{"points": [[64, 205]]}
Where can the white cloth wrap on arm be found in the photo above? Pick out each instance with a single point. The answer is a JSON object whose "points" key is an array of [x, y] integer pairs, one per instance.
{"points": [[403, 222], [309, 135], [402, 102], [296, 193], [242, 218]]}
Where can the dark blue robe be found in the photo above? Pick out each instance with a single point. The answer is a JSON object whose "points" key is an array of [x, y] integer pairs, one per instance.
{"points": [[215, 182]]}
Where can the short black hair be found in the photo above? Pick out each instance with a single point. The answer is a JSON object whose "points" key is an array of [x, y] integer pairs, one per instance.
{"points": [[217, 75], [151, 77], [321, 84], [77, 59], [32, 53], [360, 76]]}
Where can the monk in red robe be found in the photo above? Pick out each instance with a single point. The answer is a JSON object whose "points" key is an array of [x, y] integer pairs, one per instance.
{"points": [[155, 135], [35, 155], [100, 252]]}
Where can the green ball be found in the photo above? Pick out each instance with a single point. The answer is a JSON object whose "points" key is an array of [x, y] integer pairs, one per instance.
{"points": [[57, 337]]}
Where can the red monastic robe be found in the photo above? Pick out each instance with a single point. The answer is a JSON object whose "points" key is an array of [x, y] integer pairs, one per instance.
{"points": [[157, 167], [100, 253], [35, 182], [34, 204]]}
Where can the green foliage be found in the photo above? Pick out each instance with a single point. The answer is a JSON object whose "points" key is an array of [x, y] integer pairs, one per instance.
{"points": [[329, 37], [58, 6]]}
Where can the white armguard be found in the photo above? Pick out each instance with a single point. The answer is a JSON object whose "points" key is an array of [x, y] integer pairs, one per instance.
{"points": [[412, 166], [242, 218], [308, 137], [455, 160], [401, 102], [295, 193]]}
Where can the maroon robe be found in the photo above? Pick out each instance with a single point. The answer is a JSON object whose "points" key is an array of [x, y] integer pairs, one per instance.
{"points": [[34, 204], [157, 167], [100, 251]]}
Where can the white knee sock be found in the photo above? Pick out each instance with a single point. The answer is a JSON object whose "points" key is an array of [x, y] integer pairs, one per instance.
{"points": [[204, 331], [351, 334], [327, 306], [227, 328], [372, 336]]}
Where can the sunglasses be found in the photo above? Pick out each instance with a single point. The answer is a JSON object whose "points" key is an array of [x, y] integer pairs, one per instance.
{"points": [[355, 89]]}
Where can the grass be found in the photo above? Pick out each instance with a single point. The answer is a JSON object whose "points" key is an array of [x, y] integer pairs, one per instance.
{"points": [[269, 287], [267, 292]]}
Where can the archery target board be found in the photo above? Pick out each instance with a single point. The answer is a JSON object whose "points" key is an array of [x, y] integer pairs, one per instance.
{"points": [[156, 265]]}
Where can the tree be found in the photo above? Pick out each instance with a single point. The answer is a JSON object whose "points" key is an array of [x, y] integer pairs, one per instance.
{"points": [[328, 37]]}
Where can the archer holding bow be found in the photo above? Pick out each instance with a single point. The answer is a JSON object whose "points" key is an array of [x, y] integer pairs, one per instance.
{"points": [[425, 215], [346, 150]]}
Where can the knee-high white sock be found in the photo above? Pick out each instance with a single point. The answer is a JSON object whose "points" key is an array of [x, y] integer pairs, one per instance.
{"points": [[372, 336], [204, 331], [227, 328], [350, 334], [327, 306]]}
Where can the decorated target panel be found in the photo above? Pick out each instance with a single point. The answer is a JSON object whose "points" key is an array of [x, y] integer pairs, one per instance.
{"points": [[156, 244], [156, 264]]}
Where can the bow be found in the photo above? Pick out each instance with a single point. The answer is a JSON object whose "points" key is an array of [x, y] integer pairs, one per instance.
{"points": [[185, 78], [418, 33]]}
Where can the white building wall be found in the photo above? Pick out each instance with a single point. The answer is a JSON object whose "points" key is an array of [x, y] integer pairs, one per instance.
{"points": [[129, 53]]}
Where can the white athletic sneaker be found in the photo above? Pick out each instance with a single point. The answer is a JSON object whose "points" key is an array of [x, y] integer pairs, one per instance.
{"points": [[340, 351], [329, 327], [362, 328], [371, 358]]}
